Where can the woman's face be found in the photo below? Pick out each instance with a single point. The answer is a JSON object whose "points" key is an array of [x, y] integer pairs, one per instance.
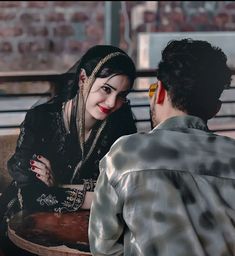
{"points": [[106, 96]]}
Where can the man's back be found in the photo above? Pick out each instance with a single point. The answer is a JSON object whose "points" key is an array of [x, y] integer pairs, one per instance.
{"points": [[173, 190]]}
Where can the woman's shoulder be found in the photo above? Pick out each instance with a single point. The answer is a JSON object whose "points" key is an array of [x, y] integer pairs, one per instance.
{"points": [[43, 113], [52, 105]]}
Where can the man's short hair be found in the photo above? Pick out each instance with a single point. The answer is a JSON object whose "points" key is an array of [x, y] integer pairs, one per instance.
{"points": [[194, 73]]}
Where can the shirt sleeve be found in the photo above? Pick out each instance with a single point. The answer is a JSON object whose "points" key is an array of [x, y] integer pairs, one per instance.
{"points": [[106, 225]]}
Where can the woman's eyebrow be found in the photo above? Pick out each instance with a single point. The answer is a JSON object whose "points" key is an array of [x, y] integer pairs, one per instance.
{"points": [[111, 86], [115, 88]]}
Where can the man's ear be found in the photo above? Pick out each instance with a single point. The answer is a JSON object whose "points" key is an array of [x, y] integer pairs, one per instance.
{"points": [[161, 93], [82, 76]]}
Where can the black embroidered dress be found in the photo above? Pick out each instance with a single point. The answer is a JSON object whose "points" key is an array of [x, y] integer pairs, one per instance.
{"points": [[43, 133]]}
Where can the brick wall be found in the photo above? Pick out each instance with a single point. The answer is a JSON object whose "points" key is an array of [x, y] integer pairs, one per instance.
{"points": [[42, 35], [173, 16]]}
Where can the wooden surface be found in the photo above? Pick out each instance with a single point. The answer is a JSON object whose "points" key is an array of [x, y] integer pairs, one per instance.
{"points": [[49, 234]]}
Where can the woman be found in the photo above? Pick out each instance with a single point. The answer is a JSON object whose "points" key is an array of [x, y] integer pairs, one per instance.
{"points": [[62, 141]]}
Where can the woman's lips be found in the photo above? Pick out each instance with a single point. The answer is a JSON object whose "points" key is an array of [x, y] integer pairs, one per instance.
{"points": [[104, 110]]}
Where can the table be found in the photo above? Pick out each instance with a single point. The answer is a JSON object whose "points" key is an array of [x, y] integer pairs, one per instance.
{"points": [[48, 233]]}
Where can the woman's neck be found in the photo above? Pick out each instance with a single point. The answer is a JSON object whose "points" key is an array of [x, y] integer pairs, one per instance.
{"points": [[89, 122]]}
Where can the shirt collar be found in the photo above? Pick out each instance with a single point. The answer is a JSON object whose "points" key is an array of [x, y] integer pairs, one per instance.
{"points": [[182, 122]]}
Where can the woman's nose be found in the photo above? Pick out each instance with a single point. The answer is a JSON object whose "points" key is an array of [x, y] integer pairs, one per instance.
{"points": [[111, 101]]}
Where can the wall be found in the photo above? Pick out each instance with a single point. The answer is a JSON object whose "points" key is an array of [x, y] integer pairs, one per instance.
{"points": [[41, 35], [48, 35]]}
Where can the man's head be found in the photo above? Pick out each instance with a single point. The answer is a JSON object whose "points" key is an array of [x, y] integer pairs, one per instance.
{"points": [[192, 75]]}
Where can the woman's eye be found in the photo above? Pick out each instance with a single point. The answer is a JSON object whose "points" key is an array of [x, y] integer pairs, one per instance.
{"points": [[106, 89]]}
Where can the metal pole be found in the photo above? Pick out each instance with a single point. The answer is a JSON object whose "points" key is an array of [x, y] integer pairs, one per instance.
{"points": [[112, 22]]}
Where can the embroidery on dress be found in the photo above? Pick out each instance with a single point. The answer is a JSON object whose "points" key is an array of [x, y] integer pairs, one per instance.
{"points": [[73, 202], [21, 137], [48, 200], [104, 141], [20, 198], [89, 184], [60, 132]]}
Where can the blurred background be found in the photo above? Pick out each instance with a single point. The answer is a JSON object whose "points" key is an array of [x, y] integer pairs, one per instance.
{"points": [[40, 40]]}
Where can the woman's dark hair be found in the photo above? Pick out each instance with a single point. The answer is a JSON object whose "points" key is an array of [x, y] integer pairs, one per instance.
{"points": [[194, 73], [121, 65]]}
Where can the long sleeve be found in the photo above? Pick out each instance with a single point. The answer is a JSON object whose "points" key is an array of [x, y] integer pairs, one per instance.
{"points": [[18, 164], [57, 199], [105, 225]]}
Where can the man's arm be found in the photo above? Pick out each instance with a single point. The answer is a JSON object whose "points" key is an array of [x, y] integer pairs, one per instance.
{"points": [[105, 225]]}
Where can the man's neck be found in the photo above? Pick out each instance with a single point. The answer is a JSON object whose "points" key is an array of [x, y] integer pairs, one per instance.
{"points": [[170, 112]]}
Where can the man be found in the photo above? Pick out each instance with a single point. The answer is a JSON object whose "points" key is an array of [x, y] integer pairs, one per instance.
{"points": [[171, 192]]}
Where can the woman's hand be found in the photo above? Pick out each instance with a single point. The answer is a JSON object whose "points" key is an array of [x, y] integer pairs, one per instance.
{"points": [[42, 167]]}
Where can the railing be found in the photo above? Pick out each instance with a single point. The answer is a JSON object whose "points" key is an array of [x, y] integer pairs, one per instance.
{"points": [[55, 80]]}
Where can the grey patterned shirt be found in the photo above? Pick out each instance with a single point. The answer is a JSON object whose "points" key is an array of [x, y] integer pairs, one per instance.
{"points": [[169, 192]]}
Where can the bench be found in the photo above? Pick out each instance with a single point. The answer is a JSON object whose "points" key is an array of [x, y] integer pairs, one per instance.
{"points": [[7, 148]]}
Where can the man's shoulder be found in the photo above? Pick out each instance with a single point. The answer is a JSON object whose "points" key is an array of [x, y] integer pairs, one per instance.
{"points": [[125, 154], [129, 143], [225, 138], [163, 149]]}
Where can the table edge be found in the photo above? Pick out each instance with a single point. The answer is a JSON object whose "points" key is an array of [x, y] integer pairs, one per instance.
{"points": [[61, 250]]}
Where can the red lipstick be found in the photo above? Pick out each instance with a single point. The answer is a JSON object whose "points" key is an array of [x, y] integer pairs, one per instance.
{"points": [[104, 110]]}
